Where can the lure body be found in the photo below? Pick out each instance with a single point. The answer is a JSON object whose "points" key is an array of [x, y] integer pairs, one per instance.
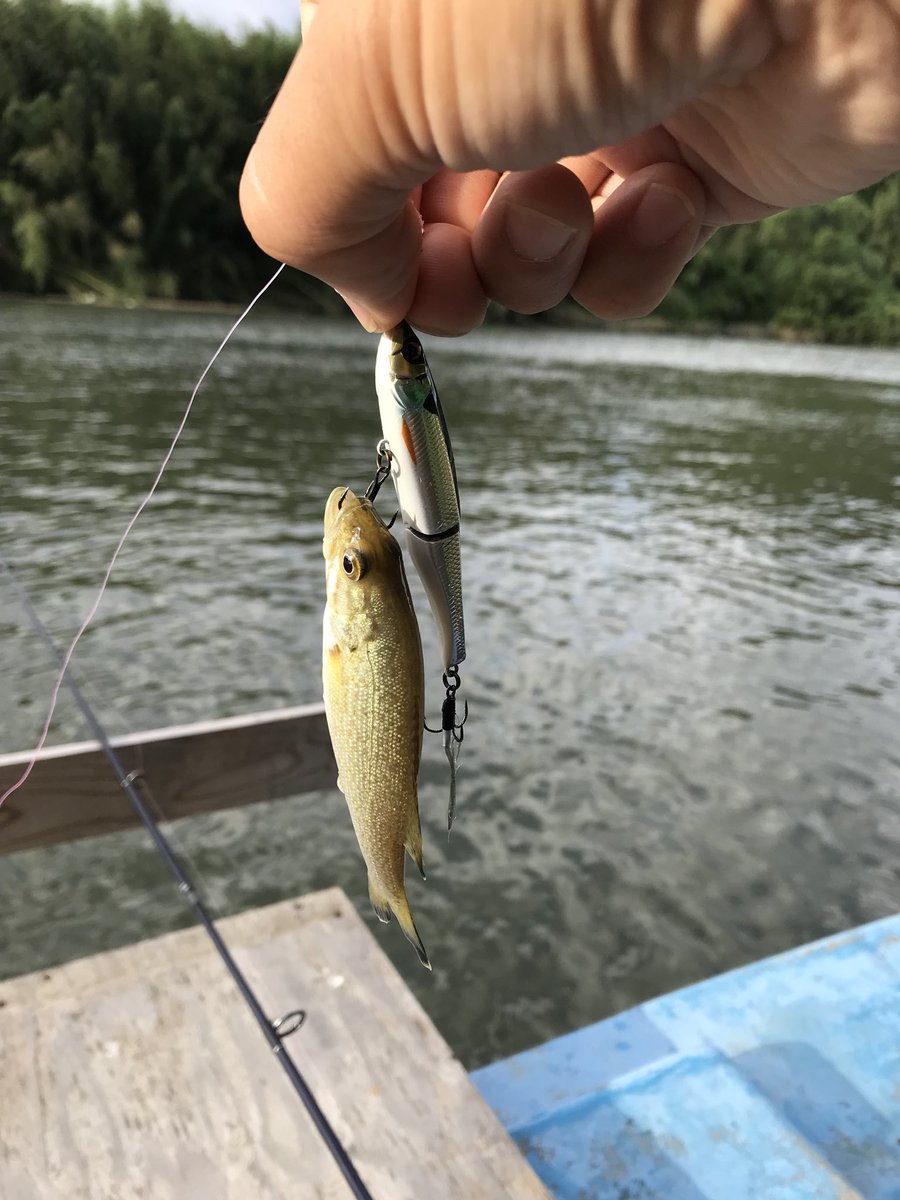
{"points": [[424, 477], [374, 688]]}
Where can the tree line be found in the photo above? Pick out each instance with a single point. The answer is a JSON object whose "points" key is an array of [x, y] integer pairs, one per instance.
{"points": [[123, 132]]}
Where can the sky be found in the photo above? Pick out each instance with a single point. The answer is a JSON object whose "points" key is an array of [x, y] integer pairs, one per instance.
{"points": [[237, 16]]}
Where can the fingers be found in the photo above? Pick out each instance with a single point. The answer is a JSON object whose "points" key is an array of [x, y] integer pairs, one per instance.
{"points": [[457, 198], [381, 96], [590, 168], [539, 239], [525, 251], [644, 233], [449, 297], [529, 245]]}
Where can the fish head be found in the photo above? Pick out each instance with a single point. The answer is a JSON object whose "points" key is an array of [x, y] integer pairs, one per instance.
{"points": [[360, 551]]}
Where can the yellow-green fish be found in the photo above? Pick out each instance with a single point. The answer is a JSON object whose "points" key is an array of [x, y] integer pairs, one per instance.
{"points": [[374, 686]]}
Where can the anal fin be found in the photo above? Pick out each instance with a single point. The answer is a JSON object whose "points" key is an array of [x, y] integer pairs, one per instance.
{"points": [[380, 903]]}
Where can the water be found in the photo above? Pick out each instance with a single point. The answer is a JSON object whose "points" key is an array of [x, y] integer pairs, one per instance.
{"points": [[682, 564]]}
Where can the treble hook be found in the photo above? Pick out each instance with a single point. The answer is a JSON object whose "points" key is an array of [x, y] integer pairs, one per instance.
{"points": [[383, 458], [453, 731], [449, 723]]}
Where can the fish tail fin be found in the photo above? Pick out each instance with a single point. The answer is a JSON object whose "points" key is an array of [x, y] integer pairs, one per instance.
{"points": [[384, 905], [414, 844], [408, 925]]}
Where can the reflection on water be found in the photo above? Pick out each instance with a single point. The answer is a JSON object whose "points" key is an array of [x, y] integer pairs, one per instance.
{"points": [[682, 563]]}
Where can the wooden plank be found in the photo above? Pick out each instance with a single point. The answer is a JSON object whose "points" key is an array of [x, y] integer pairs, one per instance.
{"points": [[72, 792], [139, 1073]]}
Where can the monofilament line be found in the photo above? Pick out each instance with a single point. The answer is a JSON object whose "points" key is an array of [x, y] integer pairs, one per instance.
{"points": [[92, 612]]}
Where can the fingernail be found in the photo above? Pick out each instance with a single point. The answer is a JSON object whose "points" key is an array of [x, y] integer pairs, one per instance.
{"points": [[661, 214], [533, 235], [362, 315]]}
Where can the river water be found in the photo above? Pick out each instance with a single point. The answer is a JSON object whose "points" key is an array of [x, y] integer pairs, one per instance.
{"points": [[682, 570]]}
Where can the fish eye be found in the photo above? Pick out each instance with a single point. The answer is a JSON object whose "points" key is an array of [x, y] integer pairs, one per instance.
{"points": [[354, 564], [413, 352]]}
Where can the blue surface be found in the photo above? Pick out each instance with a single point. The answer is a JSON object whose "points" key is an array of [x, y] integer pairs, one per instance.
{"points": [[780, 1081]]}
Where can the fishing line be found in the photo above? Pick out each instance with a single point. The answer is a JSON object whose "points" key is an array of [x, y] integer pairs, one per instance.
{"points": [[92, 612], [274, 1031]]}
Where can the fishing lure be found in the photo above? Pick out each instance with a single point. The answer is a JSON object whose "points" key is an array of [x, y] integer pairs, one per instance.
{"points": [[424, 477], [417, 448]]}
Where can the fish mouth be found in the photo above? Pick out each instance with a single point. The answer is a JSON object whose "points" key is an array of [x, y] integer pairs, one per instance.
{"points": [[340, 498], [406, 353]]}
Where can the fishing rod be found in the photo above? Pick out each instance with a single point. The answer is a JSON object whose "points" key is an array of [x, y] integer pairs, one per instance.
{"points": [[274, 1031]]}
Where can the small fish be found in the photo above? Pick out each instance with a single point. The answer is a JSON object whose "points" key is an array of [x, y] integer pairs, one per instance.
{"points": [[424, 476], [374, 687]]}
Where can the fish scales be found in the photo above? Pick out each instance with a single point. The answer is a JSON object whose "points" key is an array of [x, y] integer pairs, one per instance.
{"points": [[374, 688]]}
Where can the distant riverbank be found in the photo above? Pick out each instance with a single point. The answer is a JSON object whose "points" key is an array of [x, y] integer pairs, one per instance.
{"points": [[566, 316], [121, 182]]}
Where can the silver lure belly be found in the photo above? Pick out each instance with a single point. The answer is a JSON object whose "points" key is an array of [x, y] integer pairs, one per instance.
{"points": [[424, 479]]}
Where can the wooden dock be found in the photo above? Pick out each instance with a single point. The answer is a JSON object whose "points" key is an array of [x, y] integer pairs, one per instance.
{"points": [[140, 1075]]}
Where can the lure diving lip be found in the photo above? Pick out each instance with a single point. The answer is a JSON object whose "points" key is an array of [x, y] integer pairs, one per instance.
{"points": [[424, 476]]}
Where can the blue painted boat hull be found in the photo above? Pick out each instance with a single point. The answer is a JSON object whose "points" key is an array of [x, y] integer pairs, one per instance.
{"points": [[778, 1081]]}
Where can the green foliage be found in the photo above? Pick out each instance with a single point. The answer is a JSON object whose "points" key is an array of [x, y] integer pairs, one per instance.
{"points": [[122, 136], [123, 132], [831, 272]]}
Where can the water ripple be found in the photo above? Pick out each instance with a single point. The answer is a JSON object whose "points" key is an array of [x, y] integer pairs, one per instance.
{"points": [[683, 609]]}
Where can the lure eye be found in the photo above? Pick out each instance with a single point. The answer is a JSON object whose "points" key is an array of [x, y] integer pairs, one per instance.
{"points": [[413, 352], [354, 564]]}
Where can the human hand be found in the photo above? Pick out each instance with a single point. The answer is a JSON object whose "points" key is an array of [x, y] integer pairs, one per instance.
{"points": [[424, 156]]}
